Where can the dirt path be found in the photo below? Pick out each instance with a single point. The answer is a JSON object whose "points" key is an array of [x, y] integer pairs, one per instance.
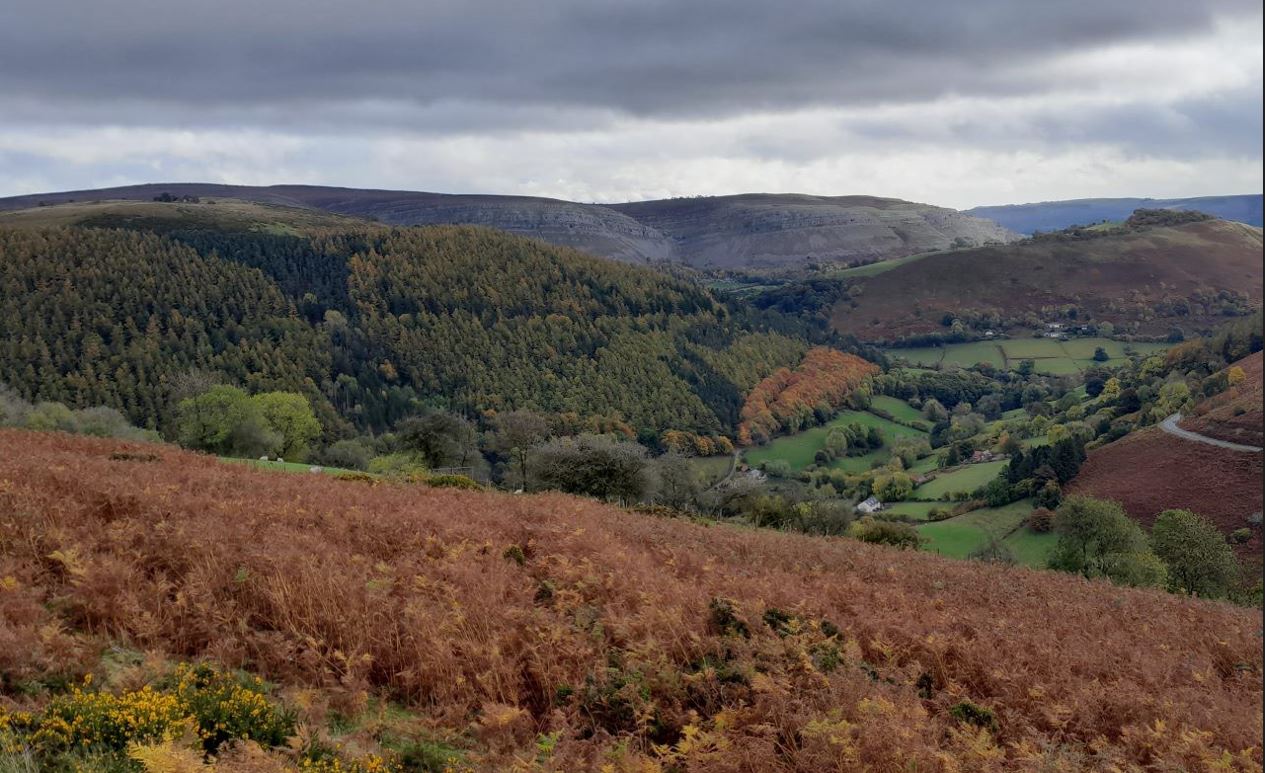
{"points": [[1169, 425]]}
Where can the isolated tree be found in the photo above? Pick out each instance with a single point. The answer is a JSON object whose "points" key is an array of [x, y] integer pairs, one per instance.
{"points": [[289, 414], [1199, 559], [439, 438], [894, 487], [592, 465], [1098, 539], [677, 483], [221, 420], [515, 434], [1100, 354]]}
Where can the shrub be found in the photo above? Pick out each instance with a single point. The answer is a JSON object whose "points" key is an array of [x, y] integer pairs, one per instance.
{"points": [[452, 481], [1241, 536], [227, 707], [971, 714], [877, 532], [994, 552], [348, 454], [724, 619], [216, 706], [1041, 520]]}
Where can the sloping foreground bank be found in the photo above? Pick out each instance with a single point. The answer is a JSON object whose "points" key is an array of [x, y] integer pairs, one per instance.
{"points": [[554, 633]]}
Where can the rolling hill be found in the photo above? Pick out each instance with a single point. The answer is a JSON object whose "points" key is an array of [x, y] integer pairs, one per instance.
{"points": [[766, 231], [1151, 277], [545, 632], [1057, 215]]}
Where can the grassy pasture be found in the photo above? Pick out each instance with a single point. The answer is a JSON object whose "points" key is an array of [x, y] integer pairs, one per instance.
{"points": [[958, 537], [966, 478], [710, 469], [285, 466], [799, 449], [899, 409], [1049, 355], [1031, 548], [916, 510]]}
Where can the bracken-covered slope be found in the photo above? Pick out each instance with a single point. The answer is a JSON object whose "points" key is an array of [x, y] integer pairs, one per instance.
{"points": [[1235, 414], [1057, 215], [632, 642], [1155, 275], [776, 231], [1150, 471]]}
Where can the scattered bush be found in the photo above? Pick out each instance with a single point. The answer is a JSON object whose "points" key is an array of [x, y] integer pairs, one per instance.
{"points": [[965, 711], [1041, 520], [878, 532]]}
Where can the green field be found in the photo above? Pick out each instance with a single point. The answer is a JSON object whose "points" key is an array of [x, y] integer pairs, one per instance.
{"points": [[1049, 355], [710, 469], [799, 449], [284, 466], [884, 266], [926, 464], [958, 537], [966, 478], [1031, 548], [900, 410], [916, 510], [1032, 442]]}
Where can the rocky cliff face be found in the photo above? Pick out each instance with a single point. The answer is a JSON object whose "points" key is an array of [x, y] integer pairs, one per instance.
{"points": [[768, 231]]}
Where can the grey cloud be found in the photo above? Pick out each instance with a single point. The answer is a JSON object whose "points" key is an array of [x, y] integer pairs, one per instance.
{"points": [[652, 58]]}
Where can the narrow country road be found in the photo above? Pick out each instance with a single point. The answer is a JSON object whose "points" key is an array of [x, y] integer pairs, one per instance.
{"points": [[1169, 425]]}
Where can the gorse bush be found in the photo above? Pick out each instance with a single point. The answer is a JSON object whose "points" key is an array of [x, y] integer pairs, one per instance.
{"points": [[196, 700]]}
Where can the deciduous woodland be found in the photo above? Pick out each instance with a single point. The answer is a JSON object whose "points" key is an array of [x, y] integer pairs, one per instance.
{"points": [[546, 632]]}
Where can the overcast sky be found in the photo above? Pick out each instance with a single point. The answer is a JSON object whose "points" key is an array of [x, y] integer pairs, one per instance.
{"points": [[954, 103]]}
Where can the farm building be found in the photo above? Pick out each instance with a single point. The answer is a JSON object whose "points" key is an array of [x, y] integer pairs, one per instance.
{"points": [[870, 505]]}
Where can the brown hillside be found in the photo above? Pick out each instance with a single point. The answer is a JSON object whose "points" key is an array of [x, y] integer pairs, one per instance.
{"points": [[502, 617], [1235, 414], [1150, 471], [1112, 277]]}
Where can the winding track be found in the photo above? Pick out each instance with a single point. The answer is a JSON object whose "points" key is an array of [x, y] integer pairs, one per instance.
{"points": [[1169, 425]]}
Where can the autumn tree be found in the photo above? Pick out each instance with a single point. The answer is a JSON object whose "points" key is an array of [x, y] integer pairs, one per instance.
{"points": [[1097, 539], [1200, 561]]}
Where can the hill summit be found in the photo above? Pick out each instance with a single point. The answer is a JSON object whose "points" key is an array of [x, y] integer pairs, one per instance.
{"points": [[766, 231]]}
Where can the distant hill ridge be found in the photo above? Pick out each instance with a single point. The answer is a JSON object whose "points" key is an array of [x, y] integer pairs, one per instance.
{"points": [[765, 231], [1057, 215]]}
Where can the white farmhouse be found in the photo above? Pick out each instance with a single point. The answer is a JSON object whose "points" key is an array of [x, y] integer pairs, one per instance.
{"points": [[871, 505]]}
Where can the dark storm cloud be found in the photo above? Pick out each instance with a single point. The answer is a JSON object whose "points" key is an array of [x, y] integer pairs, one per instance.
{"points": [[659, 58]]}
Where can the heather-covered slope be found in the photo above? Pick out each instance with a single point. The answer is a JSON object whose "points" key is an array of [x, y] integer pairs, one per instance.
{"points": [[1155, 276], [629, 641], [1235, 414]]}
